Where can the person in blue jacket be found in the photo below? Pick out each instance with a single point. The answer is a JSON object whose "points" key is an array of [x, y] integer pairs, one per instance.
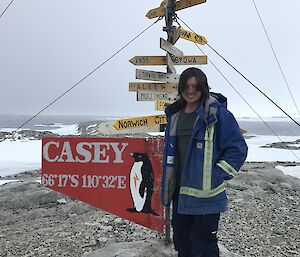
{"points": [[203, 147]]}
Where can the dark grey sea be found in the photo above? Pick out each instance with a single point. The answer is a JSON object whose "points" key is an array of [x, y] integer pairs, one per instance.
{"points": [[281, 126]]}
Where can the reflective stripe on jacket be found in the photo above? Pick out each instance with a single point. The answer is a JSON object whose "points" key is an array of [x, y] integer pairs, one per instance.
{"points": [[215, 153]]}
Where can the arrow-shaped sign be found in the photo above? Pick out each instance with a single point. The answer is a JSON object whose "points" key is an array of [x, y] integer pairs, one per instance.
{"points": [[160, 105], [153, 96], [191, 36], [182, 4], [179, 5], [138, 122], [162, 60], [157, 76], [168, 47], [155, 87]]}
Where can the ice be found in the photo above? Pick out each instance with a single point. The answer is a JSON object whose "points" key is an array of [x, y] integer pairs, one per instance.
{"points": [[257, 153], [290, 170]]}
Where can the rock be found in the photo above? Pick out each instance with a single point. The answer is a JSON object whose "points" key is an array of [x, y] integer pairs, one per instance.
{"points": [[234, 184], [62, 201]]}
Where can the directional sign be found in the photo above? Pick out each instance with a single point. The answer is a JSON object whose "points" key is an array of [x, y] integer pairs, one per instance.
{"points": [[158, 87], [165, 45], [189, 60], [107, 128], [174, 38], [191, 36], [170, 64], [138, 122], [160, 105], [179, 5], [157, 12], [157, 76], [153, 96], [160, 11], [162, 60], [148, 60], [182, 4]]}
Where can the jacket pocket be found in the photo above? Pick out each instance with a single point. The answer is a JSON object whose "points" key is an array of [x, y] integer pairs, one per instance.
{"points": [[217, 176]]}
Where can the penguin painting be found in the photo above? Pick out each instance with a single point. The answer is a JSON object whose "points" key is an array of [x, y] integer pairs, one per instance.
{"points": [[141, 184]]}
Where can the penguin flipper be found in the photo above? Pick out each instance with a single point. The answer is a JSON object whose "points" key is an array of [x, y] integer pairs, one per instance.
{"points": [[142, 188]]}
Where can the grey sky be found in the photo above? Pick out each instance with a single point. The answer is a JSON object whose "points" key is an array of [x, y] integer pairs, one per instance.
{"points": [[47, 46]]}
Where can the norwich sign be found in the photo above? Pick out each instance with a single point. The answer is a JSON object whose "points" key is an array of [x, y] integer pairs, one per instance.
{"points": [[146, 121]]}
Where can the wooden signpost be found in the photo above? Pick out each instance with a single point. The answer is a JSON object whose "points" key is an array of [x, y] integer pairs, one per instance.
{"points": [[157, 76], [155, 87], [179, 5], [160, 105], [146, 121], [168, 47], [153, 96], [162, 60], [191, 36]]}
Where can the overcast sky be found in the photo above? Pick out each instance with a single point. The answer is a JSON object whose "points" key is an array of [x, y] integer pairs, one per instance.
{"points": [[47, 46]]}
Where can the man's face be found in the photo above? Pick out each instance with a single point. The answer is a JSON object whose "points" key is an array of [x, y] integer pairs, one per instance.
{"points": [[190, 94]]}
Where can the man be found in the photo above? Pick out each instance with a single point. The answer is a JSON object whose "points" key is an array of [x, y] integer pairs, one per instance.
{"points": [[203, 147]]}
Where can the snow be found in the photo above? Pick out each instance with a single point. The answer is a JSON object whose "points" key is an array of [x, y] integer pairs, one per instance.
{"points": [[2, 182], [19, 156], [67, 130], [290, 170], [267, 119], [22, 155], [294, 145], [257, 153], [9, 129], [57, 129]]}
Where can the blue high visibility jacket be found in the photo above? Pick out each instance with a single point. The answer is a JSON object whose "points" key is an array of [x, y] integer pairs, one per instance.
{"points": [[215, 153]]}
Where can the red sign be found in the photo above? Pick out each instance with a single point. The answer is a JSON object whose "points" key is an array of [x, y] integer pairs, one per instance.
{"points": [[119, 175]]}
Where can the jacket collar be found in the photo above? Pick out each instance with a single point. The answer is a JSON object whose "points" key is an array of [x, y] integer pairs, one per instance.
{"points": [[202, 111]]}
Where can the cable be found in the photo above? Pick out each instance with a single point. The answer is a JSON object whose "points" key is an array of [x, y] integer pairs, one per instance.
{"points": [[6, 8], [245, 78], [297, 157], [274, 53], [89, 74]]}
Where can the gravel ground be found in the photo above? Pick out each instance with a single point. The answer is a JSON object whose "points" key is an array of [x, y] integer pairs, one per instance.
{"points": [[264, 213], [263, 218]]}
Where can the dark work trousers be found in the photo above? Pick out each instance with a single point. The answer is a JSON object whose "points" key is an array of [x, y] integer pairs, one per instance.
{"points": [[195, 235]]}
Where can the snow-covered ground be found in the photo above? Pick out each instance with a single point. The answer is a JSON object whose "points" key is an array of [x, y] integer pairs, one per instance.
{"points": [[58, 128], [257, 153], [267, 119], [17, 156], [290, 170], [21, 155], [65, 130]]}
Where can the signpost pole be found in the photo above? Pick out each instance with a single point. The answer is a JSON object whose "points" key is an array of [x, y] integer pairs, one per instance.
{"points": [[170, 29]]}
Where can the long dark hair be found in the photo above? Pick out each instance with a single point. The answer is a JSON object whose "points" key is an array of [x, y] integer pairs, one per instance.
{"points": [[201, 78]]}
